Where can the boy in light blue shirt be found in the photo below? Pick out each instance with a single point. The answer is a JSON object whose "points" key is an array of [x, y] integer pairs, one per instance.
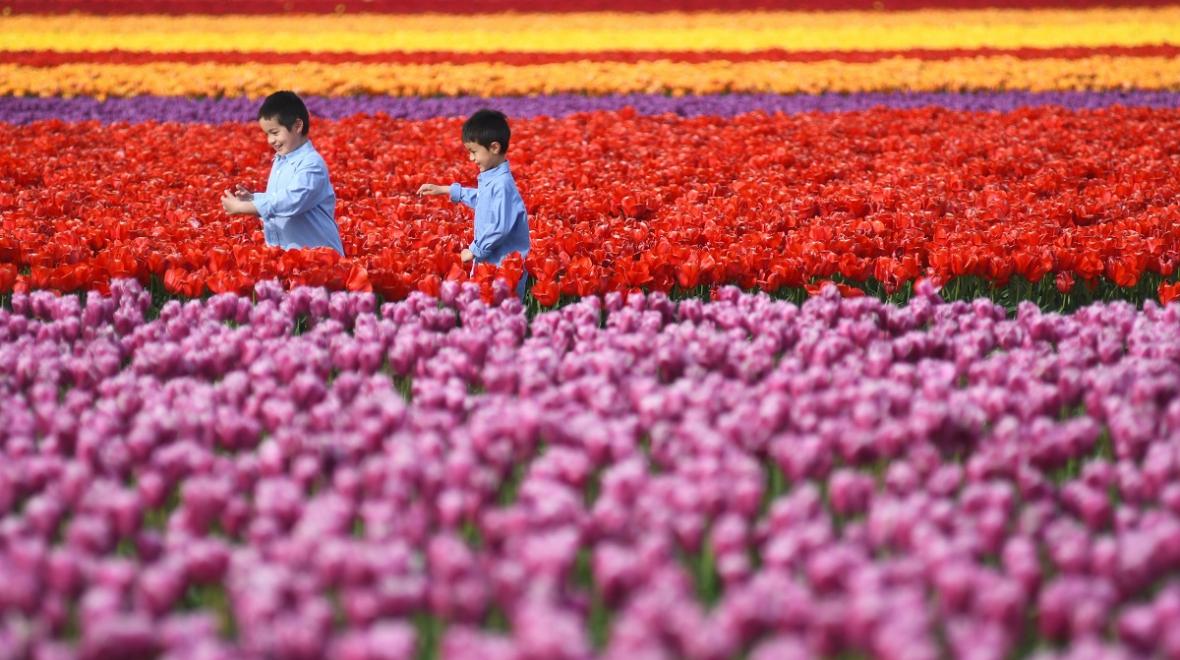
{"points": [[501, 222], [298, 209]]}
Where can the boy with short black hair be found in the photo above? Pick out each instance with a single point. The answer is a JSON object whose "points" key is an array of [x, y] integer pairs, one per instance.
{"points": [[501, 222], [298, 209]]}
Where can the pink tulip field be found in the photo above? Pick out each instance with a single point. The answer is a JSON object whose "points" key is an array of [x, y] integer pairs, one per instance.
{"points": [[305, 474]]}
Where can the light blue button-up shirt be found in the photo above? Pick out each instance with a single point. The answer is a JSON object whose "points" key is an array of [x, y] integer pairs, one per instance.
{"points": [[298, 209], [501, 223]]}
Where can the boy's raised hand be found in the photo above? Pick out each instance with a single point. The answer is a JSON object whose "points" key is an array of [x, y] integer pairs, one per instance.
{"points": [[243, 193], [432, 189], [234, 204]]}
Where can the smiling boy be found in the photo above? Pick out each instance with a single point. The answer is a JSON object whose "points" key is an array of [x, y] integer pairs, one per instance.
{"points": [[501, 222], [298, 209]]}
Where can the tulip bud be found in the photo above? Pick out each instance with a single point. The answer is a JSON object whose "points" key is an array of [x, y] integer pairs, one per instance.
{"points": [[119, 636], [1138, 626]]}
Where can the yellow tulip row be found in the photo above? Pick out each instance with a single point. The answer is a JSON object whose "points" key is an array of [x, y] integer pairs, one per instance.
{"points": [[732, 32], [256, 80]]}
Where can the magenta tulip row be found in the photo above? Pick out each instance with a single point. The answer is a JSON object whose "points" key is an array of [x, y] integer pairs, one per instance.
{"points": [[309, 474]]}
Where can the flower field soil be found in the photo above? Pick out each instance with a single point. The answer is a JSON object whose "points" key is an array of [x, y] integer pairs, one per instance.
{"points": [[311, 474]]}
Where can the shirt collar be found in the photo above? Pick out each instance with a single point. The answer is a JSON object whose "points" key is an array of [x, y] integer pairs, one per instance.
{"points": [[303, 148], [496, 171]]}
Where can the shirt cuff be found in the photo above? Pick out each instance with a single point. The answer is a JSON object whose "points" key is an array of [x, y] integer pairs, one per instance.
{"points": [[475, 251], [455, 190], [264, 204]]}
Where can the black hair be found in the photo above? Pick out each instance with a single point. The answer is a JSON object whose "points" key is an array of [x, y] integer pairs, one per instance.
{"points": [[285, 107], [487, 126]]}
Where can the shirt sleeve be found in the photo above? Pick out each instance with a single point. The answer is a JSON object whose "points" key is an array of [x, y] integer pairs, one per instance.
{"points": [[305, 191], [464, 195], [493, 227]]}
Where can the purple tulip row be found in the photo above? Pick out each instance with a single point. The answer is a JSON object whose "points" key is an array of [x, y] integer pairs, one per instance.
{"points": [[21, 110], [309, 474]]}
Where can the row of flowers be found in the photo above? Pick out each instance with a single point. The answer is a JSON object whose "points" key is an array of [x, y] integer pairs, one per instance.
{"points": [[593, 32], [311, 475], [48, 58], [24, 110], [460, 7], [648, 202], [256, 80]]}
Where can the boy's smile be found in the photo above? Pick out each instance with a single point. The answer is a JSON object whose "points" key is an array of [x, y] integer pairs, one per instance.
{"points": [[485, 157], [280, 138]]}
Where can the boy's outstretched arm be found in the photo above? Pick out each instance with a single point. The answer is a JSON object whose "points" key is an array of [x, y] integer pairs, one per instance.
{"points": [[238, 202], [458, 193], [463, 195], [432, 189]]}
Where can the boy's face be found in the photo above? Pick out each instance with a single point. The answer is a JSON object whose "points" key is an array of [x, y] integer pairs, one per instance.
{"points": [[282, 139], [486, 157]]}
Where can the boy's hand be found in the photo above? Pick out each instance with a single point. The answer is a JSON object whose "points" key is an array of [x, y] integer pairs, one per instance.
{"points": [[431, 189], [243, 193], [466, 255], [233, 204]]}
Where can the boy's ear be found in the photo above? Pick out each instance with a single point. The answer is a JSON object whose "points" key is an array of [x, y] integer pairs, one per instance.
{"points": [[297, 126], [495, 147]]}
